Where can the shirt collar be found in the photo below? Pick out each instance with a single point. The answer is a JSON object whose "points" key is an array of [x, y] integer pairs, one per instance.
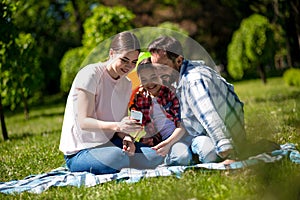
{"points": [[183, 67]]}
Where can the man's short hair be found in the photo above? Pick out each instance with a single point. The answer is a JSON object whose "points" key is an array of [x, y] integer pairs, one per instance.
{"points": [[169, 44]]}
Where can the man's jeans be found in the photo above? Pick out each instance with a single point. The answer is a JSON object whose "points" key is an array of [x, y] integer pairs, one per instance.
{"points": [[180, 153], [205, 149]]}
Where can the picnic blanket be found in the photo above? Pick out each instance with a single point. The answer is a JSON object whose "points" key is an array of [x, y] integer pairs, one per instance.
{"points": [[62, 177]]}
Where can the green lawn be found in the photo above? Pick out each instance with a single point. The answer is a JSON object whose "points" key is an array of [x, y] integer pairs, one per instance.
{"points": [[272, 111]]}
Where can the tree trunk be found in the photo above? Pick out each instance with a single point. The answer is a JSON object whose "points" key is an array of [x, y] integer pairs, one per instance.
{"points": [[26, 109], [262, 73], [292, 29], [78, 18], [3, 126], [293, 32], [25, 103]]}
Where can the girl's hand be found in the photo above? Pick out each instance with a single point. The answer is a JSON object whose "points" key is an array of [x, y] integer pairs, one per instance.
{"points": [[128, 145], [128, 125], [162, 148]]}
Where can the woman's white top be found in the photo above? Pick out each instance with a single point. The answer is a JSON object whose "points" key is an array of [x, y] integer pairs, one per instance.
{"points": [[111, 104]]}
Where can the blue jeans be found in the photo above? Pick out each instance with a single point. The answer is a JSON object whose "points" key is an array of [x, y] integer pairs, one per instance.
{"points": [[180, 153], [203, 146], [109, 158]]}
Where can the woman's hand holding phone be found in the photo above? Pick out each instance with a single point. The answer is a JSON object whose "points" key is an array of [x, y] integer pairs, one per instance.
{"points": [[129, 125]]}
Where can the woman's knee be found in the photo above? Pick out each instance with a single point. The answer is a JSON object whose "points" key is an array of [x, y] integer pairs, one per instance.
{"points": [[111, 156], [99, 161]]}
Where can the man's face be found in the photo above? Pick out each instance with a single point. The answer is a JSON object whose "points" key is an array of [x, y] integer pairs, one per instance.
{"points": [[161, 57], [166, 74], [165, 68]]}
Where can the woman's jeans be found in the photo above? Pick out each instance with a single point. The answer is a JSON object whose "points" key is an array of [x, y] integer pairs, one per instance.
{"points": [[110, 158]]}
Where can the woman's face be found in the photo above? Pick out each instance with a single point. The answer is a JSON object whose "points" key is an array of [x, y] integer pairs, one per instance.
{"points": [[124, 63], [150, 81]]}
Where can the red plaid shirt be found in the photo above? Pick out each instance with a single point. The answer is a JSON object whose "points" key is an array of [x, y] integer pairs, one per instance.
{"points": [[167, 99]]}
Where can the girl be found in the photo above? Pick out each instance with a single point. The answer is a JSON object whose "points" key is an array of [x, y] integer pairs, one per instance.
{"points": [[161, 119]]}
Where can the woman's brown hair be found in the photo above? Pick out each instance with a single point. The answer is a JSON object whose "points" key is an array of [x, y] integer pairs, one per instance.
{"points": [[125, 41]]}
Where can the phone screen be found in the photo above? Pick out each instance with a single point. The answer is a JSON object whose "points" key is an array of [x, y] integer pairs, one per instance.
{"points": [[137, 115]]}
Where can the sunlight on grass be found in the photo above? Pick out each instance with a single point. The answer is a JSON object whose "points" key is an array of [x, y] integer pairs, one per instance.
{"points": [[271, 111]]}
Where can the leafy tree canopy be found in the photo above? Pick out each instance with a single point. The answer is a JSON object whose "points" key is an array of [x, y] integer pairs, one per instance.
{"points": [[104, 23], [252, 45]]}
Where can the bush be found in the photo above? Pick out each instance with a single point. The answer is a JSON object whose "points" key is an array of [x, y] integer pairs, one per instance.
{"points": [[69, 66], [252, 45], [292, 77], [104, 23]]}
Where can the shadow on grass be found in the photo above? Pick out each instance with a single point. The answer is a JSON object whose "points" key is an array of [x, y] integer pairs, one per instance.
{"points": [[47, 102], [22, 136], [51, 114], [279, 97], [294, 121], [279, 180]]}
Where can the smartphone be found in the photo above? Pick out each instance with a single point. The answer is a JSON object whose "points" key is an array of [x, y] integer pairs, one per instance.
{"points": [[137, 115]]}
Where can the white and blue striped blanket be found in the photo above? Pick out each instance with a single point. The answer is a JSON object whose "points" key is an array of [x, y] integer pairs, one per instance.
{"points": [[62, 177]]}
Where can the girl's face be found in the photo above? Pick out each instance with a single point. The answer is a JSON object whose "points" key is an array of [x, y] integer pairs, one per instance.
{"points": [[150, 81], [123, 63]]}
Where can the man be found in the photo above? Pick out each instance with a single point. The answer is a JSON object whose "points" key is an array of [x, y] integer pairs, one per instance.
{"points": [[210, 109]]}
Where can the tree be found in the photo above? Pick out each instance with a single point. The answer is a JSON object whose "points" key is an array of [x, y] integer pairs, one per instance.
{"points": [[20, 76], [252, 47], [283, 14], [26, 75], [69, 66], [287, 14], [104, 23], [56, 27], [210, 23], [7, 48]]}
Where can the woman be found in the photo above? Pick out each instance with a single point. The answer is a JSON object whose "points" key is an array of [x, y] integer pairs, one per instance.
{"points": [[95, 133]]}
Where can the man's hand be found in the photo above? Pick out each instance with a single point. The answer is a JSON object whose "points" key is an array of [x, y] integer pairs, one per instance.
{"points": [[227, 162], [228, 154], [128, 145]]}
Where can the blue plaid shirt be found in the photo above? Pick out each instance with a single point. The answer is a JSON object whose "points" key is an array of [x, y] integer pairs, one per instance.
{"points": [[209, 106]]}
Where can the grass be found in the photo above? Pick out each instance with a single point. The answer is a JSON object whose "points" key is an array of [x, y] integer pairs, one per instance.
{"points": [[271, 111]]}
